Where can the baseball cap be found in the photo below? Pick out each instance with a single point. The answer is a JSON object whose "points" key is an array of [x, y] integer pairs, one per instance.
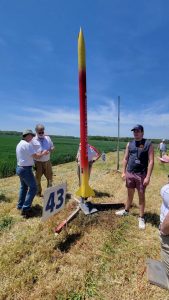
{"points": [[137, 127], [27, 131]]}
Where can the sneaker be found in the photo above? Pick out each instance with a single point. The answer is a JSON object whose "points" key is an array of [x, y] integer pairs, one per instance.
{"points": [[122, 212], [141, 223]]}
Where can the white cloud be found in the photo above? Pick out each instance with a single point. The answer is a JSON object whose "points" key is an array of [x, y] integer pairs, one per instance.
{"points": [[102, 120]]}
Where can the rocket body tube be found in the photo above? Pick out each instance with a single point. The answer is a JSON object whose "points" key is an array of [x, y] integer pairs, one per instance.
{"points": [[84, 191]]}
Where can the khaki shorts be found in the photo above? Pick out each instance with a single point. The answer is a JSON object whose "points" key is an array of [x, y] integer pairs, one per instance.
{"points": [[135, 181]]}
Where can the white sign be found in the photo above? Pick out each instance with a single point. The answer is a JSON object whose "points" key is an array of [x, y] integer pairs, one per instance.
{"points": [[54, 200]]}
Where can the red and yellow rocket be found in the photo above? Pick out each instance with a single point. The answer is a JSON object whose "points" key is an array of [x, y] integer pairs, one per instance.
{"points": [[85, 190]]}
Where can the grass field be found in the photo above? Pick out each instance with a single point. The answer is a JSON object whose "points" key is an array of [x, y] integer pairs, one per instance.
{"points": [[96, 257], [65, 151]]}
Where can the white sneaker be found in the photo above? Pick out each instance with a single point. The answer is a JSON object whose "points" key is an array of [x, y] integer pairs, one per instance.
{"points": [[121, 212], [141, 223]]}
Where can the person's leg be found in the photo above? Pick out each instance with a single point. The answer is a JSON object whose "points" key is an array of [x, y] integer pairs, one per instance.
{"points": [[23, 187], [141, 192], [130, 196], [30, 181], [130, 184], [141, 220], [90, 168], [141, 195], [78, 173], [141, 203], [47, 171], [38, 175]]}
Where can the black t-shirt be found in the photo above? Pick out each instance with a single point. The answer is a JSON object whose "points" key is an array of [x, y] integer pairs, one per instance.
{"points": [[138, 156]]}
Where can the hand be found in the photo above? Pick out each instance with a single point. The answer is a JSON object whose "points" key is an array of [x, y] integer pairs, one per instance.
{"points": [[123, 175], [146, 181], [45, 152]]}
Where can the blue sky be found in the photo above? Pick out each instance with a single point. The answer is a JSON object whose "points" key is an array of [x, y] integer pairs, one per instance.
{"points": [[127, 54]]}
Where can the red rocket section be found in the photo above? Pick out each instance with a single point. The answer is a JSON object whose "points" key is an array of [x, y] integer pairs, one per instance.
{"points": [[83, 120]]}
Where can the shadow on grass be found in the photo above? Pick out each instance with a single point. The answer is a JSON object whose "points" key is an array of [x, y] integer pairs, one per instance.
{"points": [[36, 211], [153, 219], [102, 194], [107, 206], [3, 198], [66, 245]]}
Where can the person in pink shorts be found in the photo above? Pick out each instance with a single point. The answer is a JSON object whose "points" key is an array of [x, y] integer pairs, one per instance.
{"points": [[138, 164]]}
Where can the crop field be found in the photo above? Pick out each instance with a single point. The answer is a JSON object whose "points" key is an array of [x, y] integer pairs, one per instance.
{"points": [[65, 151]]}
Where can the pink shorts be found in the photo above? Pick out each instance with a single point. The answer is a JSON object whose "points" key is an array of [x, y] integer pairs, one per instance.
{"points": [[135, 181]]}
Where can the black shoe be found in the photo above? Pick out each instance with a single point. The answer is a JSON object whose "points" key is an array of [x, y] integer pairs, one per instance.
{"points": [[19, 208], [26, 213]]}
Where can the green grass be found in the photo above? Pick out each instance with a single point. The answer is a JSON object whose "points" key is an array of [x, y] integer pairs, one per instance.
{"points": [[6, 222], [98, 257]]}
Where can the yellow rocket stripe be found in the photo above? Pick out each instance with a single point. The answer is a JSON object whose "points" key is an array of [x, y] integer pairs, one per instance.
{"points": [[81, 52]]}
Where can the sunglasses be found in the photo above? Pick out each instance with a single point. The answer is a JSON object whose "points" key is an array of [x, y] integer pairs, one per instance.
{"points": [[41, 132]]}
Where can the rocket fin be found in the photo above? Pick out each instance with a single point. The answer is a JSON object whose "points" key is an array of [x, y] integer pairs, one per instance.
{"points": [[85, 191]]}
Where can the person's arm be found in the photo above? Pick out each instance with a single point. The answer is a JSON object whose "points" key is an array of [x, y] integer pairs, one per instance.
{"points": [[125, 161], [40, 154], [164, 227], [51, 149], [150, 165]]}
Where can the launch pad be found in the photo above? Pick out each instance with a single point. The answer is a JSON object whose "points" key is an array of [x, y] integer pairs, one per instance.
{"points": [[87, 208]]}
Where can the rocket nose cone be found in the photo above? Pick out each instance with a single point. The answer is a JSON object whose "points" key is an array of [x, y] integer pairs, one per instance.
{"points": [[80, 36], [81, 51]]}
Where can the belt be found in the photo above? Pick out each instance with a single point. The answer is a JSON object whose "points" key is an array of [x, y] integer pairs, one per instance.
{"points": [[24, 166]]}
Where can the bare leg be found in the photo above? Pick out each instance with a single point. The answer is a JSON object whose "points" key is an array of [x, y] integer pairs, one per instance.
{"points": [[78, 174], [130, 195], [90, 168], [141, 203]]}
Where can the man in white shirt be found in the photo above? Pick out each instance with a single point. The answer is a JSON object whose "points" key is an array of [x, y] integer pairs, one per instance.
{"points": [[162, 148], [26, 154], [43, 166]]}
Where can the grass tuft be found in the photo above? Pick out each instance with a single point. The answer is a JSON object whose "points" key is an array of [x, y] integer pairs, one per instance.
{"points": [[6, 222]]}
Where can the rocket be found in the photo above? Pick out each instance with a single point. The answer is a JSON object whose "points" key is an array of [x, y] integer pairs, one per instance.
{"points": [[85, 190]]}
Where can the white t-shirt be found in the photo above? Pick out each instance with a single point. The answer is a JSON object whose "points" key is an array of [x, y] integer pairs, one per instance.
{"points": [[93, 154], [24, 152], [165, 205], [163, 147], [41, 144]]}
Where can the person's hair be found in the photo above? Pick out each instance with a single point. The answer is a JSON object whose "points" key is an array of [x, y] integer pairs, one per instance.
{"points": [[39, 126]]}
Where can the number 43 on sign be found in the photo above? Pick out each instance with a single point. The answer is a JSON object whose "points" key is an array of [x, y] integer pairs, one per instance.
{"points": [[54, 200]]}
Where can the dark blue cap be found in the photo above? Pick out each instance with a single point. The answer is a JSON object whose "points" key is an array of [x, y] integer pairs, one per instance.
{"points": [[138, 127]]}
